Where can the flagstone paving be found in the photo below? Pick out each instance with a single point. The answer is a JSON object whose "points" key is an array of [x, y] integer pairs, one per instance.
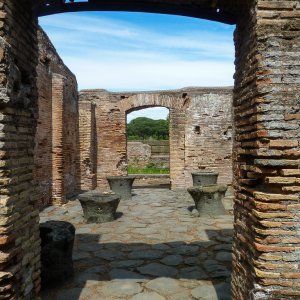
{"points": [[156, 249]]}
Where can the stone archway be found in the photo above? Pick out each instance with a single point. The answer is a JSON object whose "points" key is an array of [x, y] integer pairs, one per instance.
{"points": [[111, 110], [266, 150]]}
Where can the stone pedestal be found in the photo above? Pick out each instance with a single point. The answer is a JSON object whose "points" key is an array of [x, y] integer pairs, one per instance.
{"points": [[57, 239], [99, 208], [203, 178], [208, 199], [121, 185]]}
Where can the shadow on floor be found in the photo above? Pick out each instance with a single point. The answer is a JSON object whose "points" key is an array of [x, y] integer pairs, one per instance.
{"points": [[96, 261]]}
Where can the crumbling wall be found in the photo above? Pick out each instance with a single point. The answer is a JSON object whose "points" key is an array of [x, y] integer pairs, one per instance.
{"points": [[149, 152], [56, 141]]}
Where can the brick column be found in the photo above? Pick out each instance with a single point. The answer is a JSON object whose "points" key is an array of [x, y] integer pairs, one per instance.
{"points": [[58, 193], [111, 139], [87, 146], [266, 248], [177, 148], [19, 229]]}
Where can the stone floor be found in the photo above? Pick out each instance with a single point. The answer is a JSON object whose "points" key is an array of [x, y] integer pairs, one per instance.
{"points": [[156, 249]]}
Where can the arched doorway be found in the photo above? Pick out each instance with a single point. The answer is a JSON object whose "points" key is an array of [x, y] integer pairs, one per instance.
{"points": [[148, 147]]}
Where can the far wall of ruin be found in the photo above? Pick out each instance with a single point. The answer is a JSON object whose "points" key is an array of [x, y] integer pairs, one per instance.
{"points": [[200, 132]]}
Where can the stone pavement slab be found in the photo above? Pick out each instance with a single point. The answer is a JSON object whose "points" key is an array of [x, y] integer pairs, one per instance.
{"points": [[156, 250]]}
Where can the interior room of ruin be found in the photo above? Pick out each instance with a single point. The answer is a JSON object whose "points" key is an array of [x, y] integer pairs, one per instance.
{"points": [[58, 142]]}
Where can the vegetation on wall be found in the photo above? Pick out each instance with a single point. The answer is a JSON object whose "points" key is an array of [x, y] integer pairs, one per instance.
{"points": [[143, 128]]}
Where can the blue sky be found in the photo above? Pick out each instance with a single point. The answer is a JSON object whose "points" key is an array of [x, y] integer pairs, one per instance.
{"points": [[121, 51]]}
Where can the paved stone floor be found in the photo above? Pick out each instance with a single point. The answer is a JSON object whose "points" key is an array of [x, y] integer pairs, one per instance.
{"points": [[156, 249]]}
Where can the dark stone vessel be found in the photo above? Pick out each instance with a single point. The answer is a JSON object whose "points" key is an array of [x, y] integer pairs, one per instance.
{"points": [[208, 199], [121, 185], [57, 240], [99, 208], [202, 178]]}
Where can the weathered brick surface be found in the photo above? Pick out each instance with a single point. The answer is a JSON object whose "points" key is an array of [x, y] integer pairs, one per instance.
{"points": [[56, 141], [208, 135], [87, 146], [266, 107], [200, 131], [19, 231]]}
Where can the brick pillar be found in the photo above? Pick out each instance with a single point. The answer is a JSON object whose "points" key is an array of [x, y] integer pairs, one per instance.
{"points": [[177, 148], [19, 229], [58, 193], [111, 139], [87, 146], [266, 247]]}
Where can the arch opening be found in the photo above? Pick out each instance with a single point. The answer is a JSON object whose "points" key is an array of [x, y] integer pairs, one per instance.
{"points": [[148, 146]]}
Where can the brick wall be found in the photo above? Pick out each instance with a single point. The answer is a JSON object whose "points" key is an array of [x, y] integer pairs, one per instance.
{"points": [[56, 141], [19, 230], [208, 135], [87, 146], [200, 131]]}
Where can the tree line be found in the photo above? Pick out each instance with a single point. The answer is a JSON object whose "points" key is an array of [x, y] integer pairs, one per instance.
{"points": [[143, 128]]}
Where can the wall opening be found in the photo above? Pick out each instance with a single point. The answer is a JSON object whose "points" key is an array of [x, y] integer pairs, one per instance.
{"points": [[148, 147]]}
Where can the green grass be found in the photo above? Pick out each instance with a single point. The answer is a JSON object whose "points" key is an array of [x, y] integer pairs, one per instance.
{"points": [[147, 170]]}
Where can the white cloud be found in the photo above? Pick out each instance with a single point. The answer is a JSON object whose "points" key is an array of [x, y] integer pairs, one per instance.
{"points": [[122, 55], [149, 75]]}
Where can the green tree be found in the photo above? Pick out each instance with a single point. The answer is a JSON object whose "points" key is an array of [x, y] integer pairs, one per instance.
{"points": [[144, 128]]}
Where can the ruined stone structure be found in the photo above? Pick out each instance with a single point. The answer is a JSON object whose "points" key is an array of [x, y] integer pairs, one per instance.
{"points": [[143, 153], [266, 145], [139, 153], [200, 126], [56, 141]]}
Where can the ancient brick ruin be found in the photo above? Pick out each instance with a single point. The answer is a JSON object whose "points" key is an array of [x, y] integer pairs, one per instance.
{"points": [[266, 153], [200, 132]]}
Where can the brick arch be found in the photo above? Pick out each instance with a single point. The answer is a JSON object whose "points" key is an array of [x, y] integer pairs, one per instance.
{"points": [[177, 102], [266, 150], [146, 100]]}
